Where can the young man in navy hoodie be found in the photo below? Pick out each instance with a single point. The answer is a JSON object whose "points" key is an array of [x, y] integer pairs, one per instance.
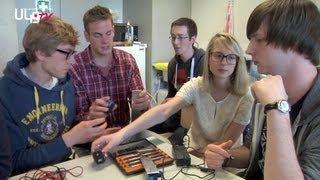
{"points": [[5, 156], [37, 98]]}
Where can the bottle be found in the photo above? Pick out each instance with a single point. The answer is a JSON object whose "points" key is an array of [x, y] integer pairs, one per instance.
{"points": [[129, 34]]}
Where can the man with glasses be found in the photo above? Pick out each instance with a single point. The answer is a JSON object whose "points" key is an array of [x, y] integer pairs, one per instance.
{"points": [[102, 73], [186, 64], [284, 43], [37, 98]]}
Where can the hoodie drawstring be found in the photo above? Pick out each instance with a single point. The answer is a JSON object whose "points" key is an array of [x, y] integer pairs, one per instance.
{"points": [[36, 99], [62, 107]]}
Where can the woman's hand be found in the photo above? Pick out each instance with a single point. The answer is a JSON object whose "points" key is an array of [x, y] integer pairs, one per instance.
{"points": [[106, 142]]}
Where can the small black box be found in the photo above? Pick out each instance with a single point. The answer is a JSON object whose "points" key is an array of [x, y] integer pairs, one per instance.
{"points": [[181, 155]]}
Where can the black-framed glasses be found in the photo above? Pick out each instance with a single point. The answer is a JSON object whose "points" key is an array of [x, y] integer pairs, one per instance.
{"points": [[68, 54], [179, 38], [219, 56]]}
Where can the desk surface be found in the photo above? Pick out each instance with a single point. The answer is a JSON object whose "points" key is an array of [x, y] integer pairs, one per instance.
{"points": [[109, 169]]}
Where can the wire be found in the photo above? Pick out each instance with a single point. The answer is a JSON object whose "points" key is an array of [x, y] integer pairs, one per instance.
{"points": [[158, 86], [58, 174], [153, 99], [188, 144], [210, 175]]}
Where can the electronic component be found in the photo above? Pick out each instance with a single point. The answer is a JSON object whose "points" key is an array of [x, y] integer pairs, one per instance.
{"points": [[99, 156], [181, 156], [127, 156], [110, 104]]}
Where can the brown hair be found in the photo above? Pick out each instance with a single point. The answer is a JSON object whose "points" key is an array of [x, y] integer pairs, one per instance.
{"points": [[47, 35], [94, 14], [290, 24], [239, 79], [189, 23]]}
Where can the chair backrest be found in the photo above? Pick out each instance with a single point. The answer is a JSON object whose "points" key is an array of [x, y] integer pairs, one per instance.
{"points": [[187, 116]]}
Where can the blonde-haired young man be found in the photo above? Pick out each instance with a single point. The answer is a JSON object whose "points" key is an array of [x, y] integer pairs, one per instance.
{"points": [[37, 98]]}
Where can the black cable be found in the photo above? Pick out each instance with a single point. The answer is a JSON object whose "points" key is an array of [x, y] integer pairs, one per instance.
{"points": [[162, 175], [210, 175]]}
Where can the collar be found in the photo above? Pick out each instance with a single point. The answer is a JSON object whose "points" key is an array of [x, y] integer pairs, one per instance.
{"points": [[310, 107], [89, 54]]}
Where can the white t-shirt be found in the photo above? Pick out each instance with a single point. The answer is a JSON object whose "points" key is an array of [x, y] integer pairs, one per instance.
{"points": [[48, 86], [213, 118]]}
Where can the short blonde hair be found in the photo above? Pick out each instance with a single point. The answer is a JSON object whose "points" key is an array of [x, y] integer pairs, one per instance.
{"points": [[240, 78], [47, 35], [97, 13]]}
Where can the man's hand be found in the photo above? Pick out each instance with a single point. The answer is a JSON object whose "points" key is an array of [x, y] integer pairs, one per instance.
{"points": [[140, 100], [98, 108], [216, 154], [85, 131], [269, 90]]}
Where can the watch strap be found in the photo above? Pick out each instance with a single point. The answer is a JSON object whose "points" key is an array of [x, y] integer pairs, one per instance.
{"points": [[270, 106]]}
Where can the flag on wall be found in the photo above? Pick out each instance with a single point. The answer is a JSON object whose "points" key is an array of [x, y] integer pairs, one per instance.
{"points": [[229, 20]]}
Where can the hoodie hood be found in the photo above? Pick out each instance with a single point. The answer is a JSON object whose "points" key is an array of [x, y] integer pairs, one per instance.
{"points": [[198, 54], [13, 72]]}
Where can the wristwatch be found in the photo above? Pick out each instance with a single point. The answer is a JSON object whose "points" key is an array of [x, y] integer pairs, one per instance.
{"points": [[282, 105], [227, 161]]}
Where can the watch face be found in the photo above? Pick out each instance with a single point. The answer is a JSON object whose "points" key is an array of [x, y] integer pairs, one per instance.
{"points": [[284, 106]]}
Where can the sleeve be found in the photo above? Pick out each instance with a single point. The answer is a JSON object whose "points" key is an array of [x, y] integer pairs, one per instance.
{"points": [[136, 82], [5, 151], [244, 111], [82, 101], [188, 91], [171, 71], [25, 157], [309, 156]]}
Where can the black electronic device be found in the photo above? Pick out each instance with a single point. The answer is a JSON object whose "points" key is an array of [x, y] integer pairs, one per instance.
{"points": [[98, 156], [181, 155]]}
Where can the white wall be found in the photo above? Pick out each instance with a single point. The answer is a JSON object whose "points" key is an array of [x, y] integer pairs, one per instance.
{"points": [[8, 33], [154, 18], [164, 13], [74, 15], [139, 12], [116, 7], [210, 17], [22, 24]]}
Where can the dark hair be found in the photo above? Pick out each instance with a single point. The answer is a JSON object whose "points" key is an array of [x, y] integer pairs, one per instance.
{"points": [[189, 23], [290, 24], [94, 14]]}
